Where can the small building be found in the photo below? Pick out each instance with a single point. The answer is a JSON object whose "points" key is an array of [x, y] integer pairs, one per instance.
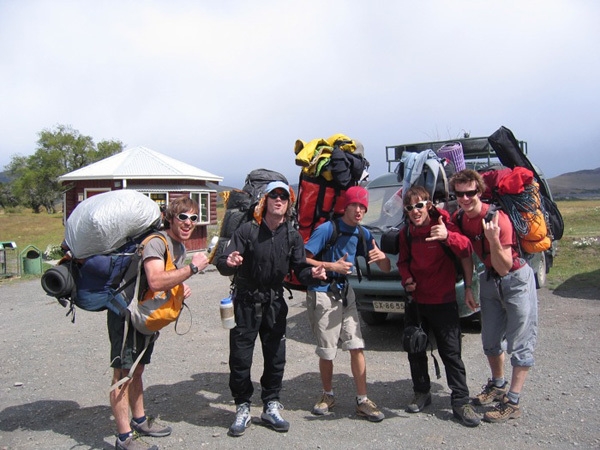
{"points": [[158, 176]]}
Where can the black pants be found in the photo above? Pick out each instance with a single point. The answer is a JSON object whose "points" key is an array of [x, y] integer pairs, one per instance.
{"points": [[443, 322], [270, 325]]}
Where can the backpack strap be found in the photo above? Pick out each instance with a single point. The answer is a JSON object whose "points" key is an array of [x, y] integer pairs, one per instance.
{"points": [[481, 236], [362, 241], [147, 341]]}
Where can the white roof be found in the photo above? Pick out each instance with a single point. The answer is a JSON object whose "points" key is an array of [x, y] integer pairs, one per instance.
{"points": [[139, 163]]}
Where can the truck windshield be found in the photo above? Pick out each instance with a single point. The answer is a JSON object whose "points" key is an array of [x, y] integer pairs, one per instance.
{"points": [[383, 213]]}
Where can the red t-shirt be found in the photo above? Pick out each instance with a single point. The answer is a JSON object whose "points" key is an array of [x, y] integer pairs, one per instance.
{"points": [[473, 229]]}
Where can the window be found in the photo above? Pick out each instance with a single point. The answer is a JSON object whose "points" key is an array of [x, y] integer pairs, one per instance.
{"points": [[159, 197], [203, 199]]}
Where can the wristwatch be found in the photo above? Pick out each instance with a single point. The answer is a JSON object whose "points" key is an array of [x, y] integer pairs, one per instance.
{"points": [[194, 269]]}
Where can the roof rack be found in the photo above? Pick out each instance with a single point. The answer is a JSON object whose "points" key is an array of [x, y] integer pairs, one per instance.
{"points": [[477, 151]]}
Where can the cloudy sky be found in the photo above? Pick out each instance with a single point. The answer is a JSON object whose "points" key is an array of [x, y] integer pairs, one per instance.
{"points": [[229, 85]]}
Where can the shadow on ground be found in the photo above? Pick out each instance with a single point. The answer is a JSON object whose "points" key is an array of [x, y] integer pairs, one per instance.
{"points": [[572, 288], [203, 401]]}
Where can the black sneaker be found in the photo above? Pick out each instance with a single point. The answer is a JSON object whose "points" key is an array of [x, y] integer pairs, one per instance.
{"points": [[466, 415], [419, 401], [242, 420], [272, 417]]}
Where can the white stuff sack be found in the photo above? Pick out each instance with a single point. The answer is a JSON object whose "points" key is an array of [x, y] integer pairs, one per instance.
{"points": [[103, 223]]}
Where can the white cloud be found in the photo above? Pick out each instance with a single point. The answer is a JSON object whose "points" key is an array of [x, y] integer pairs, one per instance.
{"points": [[229, 86]]}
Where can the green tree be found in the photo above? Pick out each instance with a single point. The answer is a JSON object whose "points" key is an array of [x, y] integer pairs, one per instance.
{"points": [[7, 198], [59, 151]]}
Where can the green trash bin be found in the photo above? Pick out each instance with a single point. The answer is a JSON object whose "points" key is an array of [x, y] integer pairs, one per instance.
{"points": [[31, 259]]}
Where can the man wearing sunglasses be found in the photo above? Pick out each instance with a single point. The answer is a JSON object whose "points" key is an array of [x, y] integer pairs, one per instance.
{"points": [[508, 297], [331, 306], [426, 264], [181, 215], [259, 256]]}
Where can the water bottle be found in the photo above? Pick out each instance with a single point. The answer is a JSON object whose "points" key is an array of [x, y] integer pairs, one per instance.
{"points": [[394, 204], [227, 315]]}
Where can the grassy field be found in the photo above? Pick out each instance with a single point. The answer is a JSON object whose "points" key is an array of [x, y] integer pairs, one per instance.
{"points": [[578, 255]]}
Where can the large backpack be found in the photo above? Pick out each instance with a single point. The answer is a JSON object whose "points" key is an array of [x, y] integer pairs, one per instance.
{"points": [[240, 204], [516, 192], [511, 155], [102, 235], [329, 167]]}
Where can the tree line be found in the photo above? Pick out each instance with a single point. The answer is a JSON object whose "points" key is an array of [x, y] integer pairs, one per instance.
{"points": [[33, 180]]}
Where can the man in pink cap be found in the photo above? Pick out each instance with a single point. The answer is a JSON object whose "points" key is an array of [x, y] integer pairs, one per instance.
{"points": [[331, 305]]}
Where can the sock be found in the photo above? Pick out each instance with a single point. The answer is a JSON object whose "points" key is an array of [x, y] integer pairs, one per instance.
{"points": [[360, 398], [513, 397], [328, 392], [140, 420], [499, 382], [123, 437]]}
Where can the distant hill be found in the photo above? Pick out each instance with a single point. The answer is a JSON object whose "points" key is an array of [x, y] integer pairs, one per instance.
{"points": [[583, 184]]}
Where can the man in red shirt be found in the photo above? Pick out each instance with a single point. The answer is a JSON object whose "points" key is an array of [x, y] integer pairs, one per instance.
{"points": [[428, 273], [508, 296]]}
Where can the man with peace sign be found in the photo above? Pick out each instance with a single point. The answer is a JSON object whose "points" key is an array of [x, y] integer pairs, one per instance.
{"points": [[508, 297]]}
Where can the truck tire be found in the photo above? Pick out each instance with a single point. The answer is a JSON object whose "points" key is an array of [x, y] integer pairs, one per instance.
{"points": [[540, 272], [373, 318]]}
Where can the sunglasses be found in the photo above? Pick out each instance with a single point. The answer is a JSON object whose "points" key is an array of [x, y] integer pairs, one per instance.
{"points": [[419, 205], [276, 195], [469, 194], [183, 217]]}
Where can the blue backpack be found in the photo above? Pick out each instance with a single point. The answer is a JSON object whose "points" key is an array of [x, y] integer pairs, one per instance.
{"points": [[99, 282]]}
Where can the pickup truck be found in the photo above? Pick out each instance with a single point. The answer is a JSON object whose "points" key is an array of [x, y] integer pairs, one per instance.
{"points": [[382, 293]]}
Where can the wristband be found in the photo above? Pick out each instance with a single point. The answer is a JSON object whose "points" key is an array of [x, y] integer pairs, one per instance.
{"points": [[468, 286]]}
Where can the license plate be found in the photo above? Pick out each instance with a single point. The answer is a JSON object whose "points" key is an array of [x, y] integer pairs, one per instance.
{"points": [[388, 307]]}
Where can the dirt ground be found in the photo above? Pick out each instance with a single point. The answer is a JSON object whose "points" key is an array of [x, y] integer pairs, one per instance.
{"points": [[55, 378]]}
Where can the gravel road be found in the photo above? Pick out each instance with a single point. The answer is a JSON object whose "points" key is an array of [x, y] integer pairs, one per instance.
{"points": [[55, 379]]}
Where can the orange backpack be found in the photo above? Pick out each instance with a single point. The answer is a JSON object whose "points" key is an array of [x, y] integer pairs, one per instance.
{"points": [[149, 310]]}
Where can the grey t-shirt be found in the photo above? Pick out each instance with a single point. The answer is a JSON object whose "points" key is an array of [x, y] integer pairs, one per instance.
{"points": [[155, 248]]}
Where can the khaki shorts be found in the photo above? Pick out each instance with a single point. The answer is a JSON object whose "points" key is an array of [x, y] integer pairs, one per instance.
{"points": [[332, 322]]}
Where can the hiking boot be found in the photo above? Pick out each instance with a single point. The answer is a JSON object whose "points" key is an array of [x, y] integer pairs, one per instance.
{"points": [[503, 411], [419, 401], [272, 417], [369, 410], [150, 427], [325, 403], [131, 443], [466, 415], [490, 393], [242, 420]]}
